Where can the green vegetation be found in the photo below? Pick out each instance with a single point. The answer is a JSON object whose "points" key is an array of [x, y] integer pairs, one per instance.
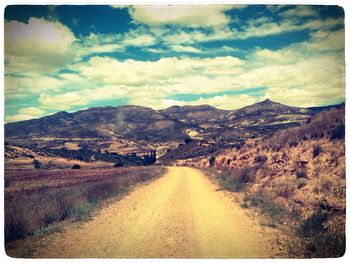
{"points": [[268, 206], [301, 182], [236, 180]]}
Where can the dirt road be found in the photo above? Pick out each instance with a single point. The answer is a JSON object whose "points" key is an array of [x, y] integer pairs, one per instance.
{"points": [[179, 215]]}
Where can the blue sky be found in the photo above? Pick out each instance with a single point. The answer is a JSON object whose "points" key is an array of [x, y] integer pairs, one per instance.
{"points": [[228, 56]]}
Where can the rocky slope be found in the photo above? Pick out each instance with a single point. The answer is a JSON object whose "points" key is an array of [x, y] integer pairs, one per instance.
{"points": [[302, 170]]}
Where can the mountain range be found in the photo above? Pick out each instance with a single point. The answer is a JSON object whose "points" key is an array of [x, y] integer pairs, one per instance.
{"points": [[126, 129]]}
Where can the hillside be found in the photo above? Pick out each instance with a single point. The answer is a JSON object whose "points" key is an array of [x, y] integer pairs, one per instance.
{"points": [[297, 176], [144, 128]]}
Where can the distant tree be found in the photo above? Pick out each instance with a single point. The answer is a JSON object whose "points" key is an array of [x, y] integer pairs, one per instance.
{"points": [[212, 160], [118, 164], [76, 166], [188, 140], [338, 132], [37, 164], [151, 158]]}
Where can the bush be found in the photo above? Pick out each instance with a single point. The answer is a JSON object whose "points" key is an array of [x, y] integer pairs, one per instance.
{"points": [[118, 164], [268, 206], [301, 173], [316, 150], [338, 132], [314, 224], [236, 180], [188, 140], [76, 166], [37, 164], [260, 159], [321, 243], [48, 230], [301, 182], [212, 161], [82, 211]]}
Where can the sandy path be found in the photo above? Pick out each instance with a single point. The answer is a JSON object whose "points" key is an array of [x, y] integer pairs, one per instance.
{"points": [[179, 215]]}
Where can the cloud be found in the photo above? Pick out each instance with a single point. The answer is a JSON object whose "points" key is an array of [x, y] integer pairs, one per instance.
{"points": [[25, 114], [111, 71], [185, 49], [41, 45], [33, 111], [18, 86], [139, 40], [63, 101], [300, 11], [224, 102], [18, 117], [191, 16]]}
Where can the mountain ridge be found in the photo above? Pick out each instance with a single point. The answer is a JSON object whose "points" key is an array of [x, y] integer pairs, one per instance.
{"points": [[138, 123]]}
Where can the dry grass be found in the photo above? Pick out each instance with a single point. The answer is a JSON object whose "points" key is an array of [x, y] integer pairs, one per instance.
{"points": [[36, 200]]}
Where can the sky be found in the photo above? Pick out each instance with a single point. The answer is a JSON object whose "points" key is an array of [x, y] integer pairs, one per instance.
{"points": [[69, 58]]}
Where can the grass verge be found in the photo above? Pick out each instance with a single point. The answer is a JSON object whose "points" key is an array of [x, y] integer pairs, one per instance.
{"points": [[37, 213]]}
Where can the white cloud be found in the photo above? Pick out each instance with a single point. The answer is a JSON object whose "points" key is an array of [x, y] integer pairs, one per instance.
{"points": [[139, 40], [300, 11], [224, 102], [63, 101], [40, 45], [25, 114], [18, 117], [192, 16], [185, 49], [33, 111], [31, 83], [165, 71]]}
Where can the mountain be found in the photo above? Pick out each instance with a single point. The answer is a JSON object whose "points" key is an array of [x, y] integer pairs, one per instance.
{"points": [[127, 128]]}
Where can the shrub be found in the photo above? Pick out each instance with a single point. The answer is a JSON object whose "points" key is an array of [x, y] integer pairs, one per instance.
{"points": [[314, 224], [301, 182], [212, 161], [260, 159], [268, 206], [301, 173], [275, 157], [188, 140], [293, 144], [236, 180], [338, 132], [285, 190], [82, 211], [321, 243], [48, 230], [317, 149], [118, 164], [245, 205], [37, 164], [76, 166]]}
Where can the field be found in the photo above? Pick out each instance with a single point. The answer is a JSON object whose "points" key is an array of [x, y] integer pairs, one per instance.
{"points": [[37, 200]]}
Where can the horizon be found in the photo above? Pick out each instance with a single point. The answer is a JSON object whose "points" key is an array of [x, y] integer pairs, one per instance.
{"points": [[70, 58]]}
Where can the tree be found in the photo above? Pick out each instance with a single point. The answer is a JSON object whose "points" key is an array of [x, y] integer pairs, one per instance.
{"points": [[212, 161], [37, 164]]}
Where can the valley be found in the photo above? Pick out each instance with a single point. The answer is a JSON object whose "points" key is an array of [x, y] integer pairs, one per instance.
{"points": [[281, 169]]}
